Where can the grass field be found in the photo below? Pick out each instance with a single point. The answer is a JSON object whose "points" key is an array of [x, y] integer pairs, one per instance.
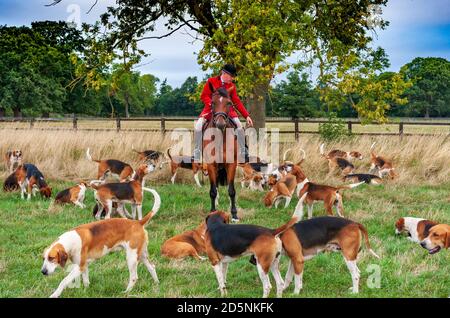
{"points": [[406, 269], [422, 190]]}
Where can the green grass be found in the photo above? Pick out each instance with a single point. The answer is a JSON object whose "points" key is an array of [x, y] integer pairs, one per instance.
{"points": [[407, 270]]}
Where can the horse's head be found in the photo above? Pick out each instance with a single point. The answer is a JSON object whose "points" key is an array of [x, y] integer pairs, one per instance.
{"points": [[221, 102]]}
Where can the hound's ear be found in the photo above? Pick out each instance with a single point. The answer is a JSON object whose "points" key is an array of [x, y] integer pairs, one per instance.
{"points": [[62, 258], [447, 240]]}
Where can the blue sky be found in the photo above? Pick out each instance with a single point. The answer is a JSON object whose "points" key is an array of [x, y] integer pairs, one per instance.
{"points": [[417, 28]]}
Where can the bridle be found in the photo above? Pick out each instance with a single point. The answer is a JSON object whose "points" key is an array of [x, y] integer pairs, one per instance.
{"points": [[224, 115]]}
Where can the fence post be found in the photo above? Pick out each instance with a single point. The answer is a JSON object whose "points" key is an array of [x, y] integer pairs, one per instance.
{"points": [[163, 125], [349, 125], [297, 132], [400, 130], [118, 124], [75, 122], [32, 123]]}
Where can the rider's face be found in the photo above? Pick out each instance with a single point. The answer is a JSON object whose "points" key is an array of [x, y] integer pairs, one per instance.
{"points": [[226, 78]]}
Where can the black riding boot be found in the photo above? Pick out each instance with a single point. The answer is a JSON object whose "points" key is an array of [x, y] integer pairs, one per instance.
{"points": [[243, 151], [197, 145]]}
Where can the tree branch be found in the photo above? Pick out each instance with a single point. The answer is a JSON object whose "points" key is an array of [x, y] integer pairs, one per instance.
{"points": [[95, 3], [54, 3], [162, 36]]}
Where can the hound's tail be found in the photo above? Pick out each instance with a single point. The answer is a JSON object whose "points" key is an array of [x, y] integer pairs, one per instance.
{"points": [[372, 153], [89, 157], [94, 184], [350, 186], [297, 216], [132, 148], [168, 153], [366, 238], [322, 150], [303, 156], [285, 153], [155, 208]]}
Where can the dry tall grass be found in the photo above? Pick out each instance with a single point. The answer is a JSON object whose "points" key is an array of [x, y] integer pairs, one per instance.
{"points": [[61, 155]]}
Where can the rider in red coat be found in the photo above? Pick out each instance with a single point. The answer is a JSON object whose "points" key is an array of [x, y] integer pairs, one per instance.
{"points": [[225, 79]]}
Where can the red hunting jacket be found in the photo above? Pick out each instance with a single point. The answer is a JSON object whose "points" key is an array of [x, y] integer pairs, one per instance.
{"points": [[206, 98]]}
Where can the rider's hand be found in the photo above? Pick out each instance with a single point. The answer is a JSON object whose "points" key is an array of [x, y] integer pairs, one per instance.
{"points": [[249, 121]]}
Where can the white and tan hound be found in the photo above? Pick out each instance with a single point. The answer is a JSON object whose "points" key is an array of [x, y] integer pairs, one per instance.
{"points": [[190, 243], [331, 196], [383, 165], [437, 239], [417, 229], [13, 159], [88, 242]]}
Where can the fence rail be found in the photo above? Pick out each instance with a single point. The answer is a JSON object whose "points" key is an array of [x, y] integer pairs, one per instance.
{"points": [[297, 124]]}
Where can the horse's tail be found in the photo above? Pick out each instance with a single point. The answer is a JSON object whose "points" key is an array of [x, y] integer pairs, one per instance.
{"points": [[222, 176]]}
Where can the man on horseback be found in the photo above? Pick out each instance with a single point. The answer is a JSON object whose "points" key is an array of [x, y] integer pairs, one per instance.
{"points": [[225, 79]]}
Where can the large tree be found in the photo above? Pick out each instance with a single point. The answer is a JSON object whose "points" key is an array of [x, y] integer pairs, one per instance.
{"points": [[257, 36], [33, 73], [295, 97], [178, 101], [430, 92], [358, 80]]}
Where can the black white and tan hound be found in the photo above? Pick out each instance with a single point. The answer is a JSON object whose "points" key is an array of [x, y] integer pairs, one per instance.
{"points": [[31, 180], [308, 238], [117, 168]]}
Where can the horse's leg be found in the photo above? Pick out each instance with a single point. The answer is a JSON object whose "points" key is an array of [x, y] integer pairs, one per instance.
{"points": [[231, 171], [212, 173]]}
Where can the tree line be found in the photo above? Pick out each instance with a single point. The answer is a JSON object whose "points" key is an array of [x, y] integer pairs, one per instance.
{"points": [[50, 69]]}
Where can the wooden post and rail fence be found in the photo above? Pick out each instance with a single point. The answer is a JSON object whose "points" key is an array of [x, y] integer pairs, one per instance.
{"points": [[72, 123]]}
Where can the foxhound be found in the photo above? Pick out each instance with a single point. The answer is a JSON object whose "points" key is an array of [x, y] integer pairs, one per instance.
{"points": [[227, 242], [88, 242], [13, 159], [417, 229], [190, 243], [308, 238], [117, 168]]}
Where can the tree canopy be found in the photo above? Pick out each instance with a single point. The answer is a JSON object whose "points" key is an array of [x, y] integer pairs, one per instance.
{"points": [[257, 36]]}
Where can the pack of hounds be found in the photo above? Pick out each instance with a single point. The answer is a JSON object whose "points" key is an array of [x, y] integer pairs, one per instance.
{"points": [[299, 240]]}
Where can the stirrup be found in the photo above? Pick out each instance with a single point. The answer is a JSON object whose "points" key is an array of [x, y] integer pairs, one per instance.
{"points": [[197, 155]]}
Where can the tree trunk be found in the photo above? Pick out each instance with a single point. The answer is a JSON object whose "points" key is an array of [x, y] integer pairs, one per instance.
{"points": [[17, 113], [45, 115], [2, 112], [127, 113], [111, 104], [257, 105]]}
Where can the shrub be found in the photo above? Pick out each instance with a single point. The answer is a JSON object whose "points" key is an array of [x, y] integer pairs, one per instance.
{"points": [[334, 129]]}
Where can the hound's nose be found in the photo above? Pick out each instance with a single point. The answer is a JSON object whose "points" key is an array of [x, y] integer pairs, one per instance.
{"points": [[44, 271], [423, 244]]}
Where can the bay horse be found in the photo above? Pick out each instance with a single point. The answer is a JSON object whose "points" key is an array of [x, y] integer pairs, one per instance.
{"points": [[220, 169]]}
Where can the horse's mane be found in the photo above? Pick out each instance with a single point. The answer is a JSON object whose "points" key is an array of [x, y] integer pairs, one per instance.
{"points": [[223, 92]]}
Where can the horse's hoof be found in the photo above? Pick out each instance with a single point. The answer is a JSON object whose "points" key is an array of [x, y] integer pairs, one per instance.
{"points": [[235, 220]]}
